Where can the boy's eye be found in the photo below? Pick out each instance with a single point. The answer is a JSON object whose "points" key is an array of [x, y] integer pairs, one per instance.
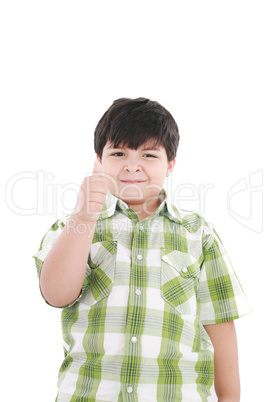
{"points": [[121, 153], [118, 153], [150, 155]]}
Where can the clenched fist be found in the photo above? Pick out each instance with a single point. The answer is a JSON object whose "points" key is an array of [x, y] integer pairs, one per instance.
{"points": [[92, 195]]}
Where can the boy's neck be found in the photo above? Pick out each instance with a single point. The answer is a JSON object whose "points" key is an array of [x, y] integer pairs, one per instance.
{"points": [[145, 209]]}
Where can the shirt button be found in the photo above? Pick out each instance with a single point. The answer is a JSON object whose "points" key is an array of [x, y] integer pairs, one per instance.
{"points": [[129, 389], [139, 257], [184, 270], [134, 339], [141, 227], [138, 292]]}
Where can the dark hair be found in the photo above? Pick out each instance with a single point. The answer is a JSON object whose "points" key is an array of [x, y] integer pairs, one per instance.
{"points": [[133, 122]]}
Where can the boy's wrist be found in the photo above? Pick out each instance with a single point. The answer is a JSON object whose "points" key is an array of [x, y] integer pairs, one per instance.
{"points": [[78, 225], [79, 218]]}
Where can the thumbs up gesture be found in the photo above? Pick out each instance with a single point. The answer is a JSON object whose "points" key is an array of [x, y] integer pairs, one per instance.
{"points": [[92, 195]]}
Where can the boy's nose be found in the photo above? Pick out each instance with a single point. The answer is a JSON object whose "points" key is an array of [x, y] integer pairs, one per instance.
{"points": [[132, 165], [132, 168]]}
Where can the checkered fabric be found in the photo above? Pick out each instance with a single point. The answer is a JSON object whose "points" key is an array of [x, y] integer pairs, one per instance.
{"points": [[136, 332]]}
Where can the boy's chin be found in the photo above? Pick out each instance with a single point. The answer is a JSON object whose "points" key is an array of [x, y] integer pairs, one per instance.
{"points": [[135, 195], [136, 199], [130, 199], [130, 193]]}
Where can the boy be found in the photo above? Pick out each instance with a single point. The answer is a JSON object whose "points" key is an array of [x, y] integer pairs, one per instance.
{"points": [[148, 293]]}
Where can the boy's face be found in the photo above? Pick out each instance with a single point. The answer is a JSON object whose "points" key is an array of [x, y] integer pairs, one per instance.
{"points": [[136, 176]]}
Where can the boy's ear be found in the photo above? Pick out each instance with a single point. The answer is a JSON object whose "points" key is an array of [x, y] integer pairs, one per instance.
{"points": [[170, 166], [98, 158]]}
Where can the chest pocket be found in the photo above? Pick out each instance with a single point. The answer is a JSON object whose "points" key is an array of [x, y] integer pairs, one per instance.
{"points": [[102, 261], [179, 279]]}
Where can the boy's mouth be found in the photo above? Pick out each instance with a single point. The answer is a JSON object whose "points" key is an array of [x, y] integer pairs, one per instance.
{"points": [[133, 181]]}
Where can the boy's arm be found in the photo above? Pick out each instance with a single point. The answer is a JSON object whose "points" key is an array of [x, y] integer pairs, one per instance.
{"points": [[64, 268], [227, 382]]}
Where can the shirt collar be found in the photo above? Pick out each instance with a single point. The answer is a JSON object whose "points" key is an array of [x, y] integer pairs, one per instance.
{"points": [[166, 207]]}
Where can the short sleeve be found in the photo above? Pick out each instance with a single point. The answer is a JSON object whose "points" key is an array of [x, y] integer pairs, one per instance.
{"points": [[47, 243], [220, 292]]}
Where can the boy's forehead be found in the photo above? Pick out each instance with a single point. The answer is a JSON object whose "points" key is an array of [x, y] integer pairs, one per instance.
{"points": [[150, 144]]}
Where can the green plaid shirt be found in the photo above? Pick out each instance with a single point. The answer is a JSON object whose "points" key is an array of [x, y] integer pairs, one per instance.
{"points": [[136, 332]]}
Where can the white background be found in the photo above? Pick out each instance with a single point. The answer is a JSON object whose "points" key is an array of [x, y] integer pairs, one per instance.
{"points": [[62, 65]]}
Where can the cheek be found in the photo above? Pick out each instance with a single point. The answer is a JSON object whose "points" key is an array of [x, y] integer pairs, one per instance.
{"points": [[158, 171], [112, 171], [110, 167]]}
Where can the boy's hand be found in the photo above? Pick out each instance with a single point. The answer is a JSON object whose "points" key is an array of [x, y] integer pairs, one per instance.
{"points": [[92, 195]]}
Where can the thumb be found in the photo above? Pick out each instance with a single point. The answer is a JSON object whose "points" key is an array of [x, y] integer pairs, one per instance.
{"points": [[97, 167]]}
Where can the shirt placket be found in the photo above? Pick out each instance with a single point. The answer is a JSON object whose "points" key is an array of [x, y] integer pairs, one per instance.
{"points": [[135, 313]]}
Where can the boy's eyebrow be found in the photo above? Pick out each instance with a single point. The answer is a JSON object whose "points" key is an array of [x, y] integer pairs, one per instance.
{"points": [[147, 148], [150, 149], [110, 146]]}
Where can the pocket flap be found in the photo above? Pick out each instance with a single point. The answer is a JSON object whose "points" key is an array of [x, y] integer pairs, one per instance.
{"points": [[184, 263], [100, 252]]}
